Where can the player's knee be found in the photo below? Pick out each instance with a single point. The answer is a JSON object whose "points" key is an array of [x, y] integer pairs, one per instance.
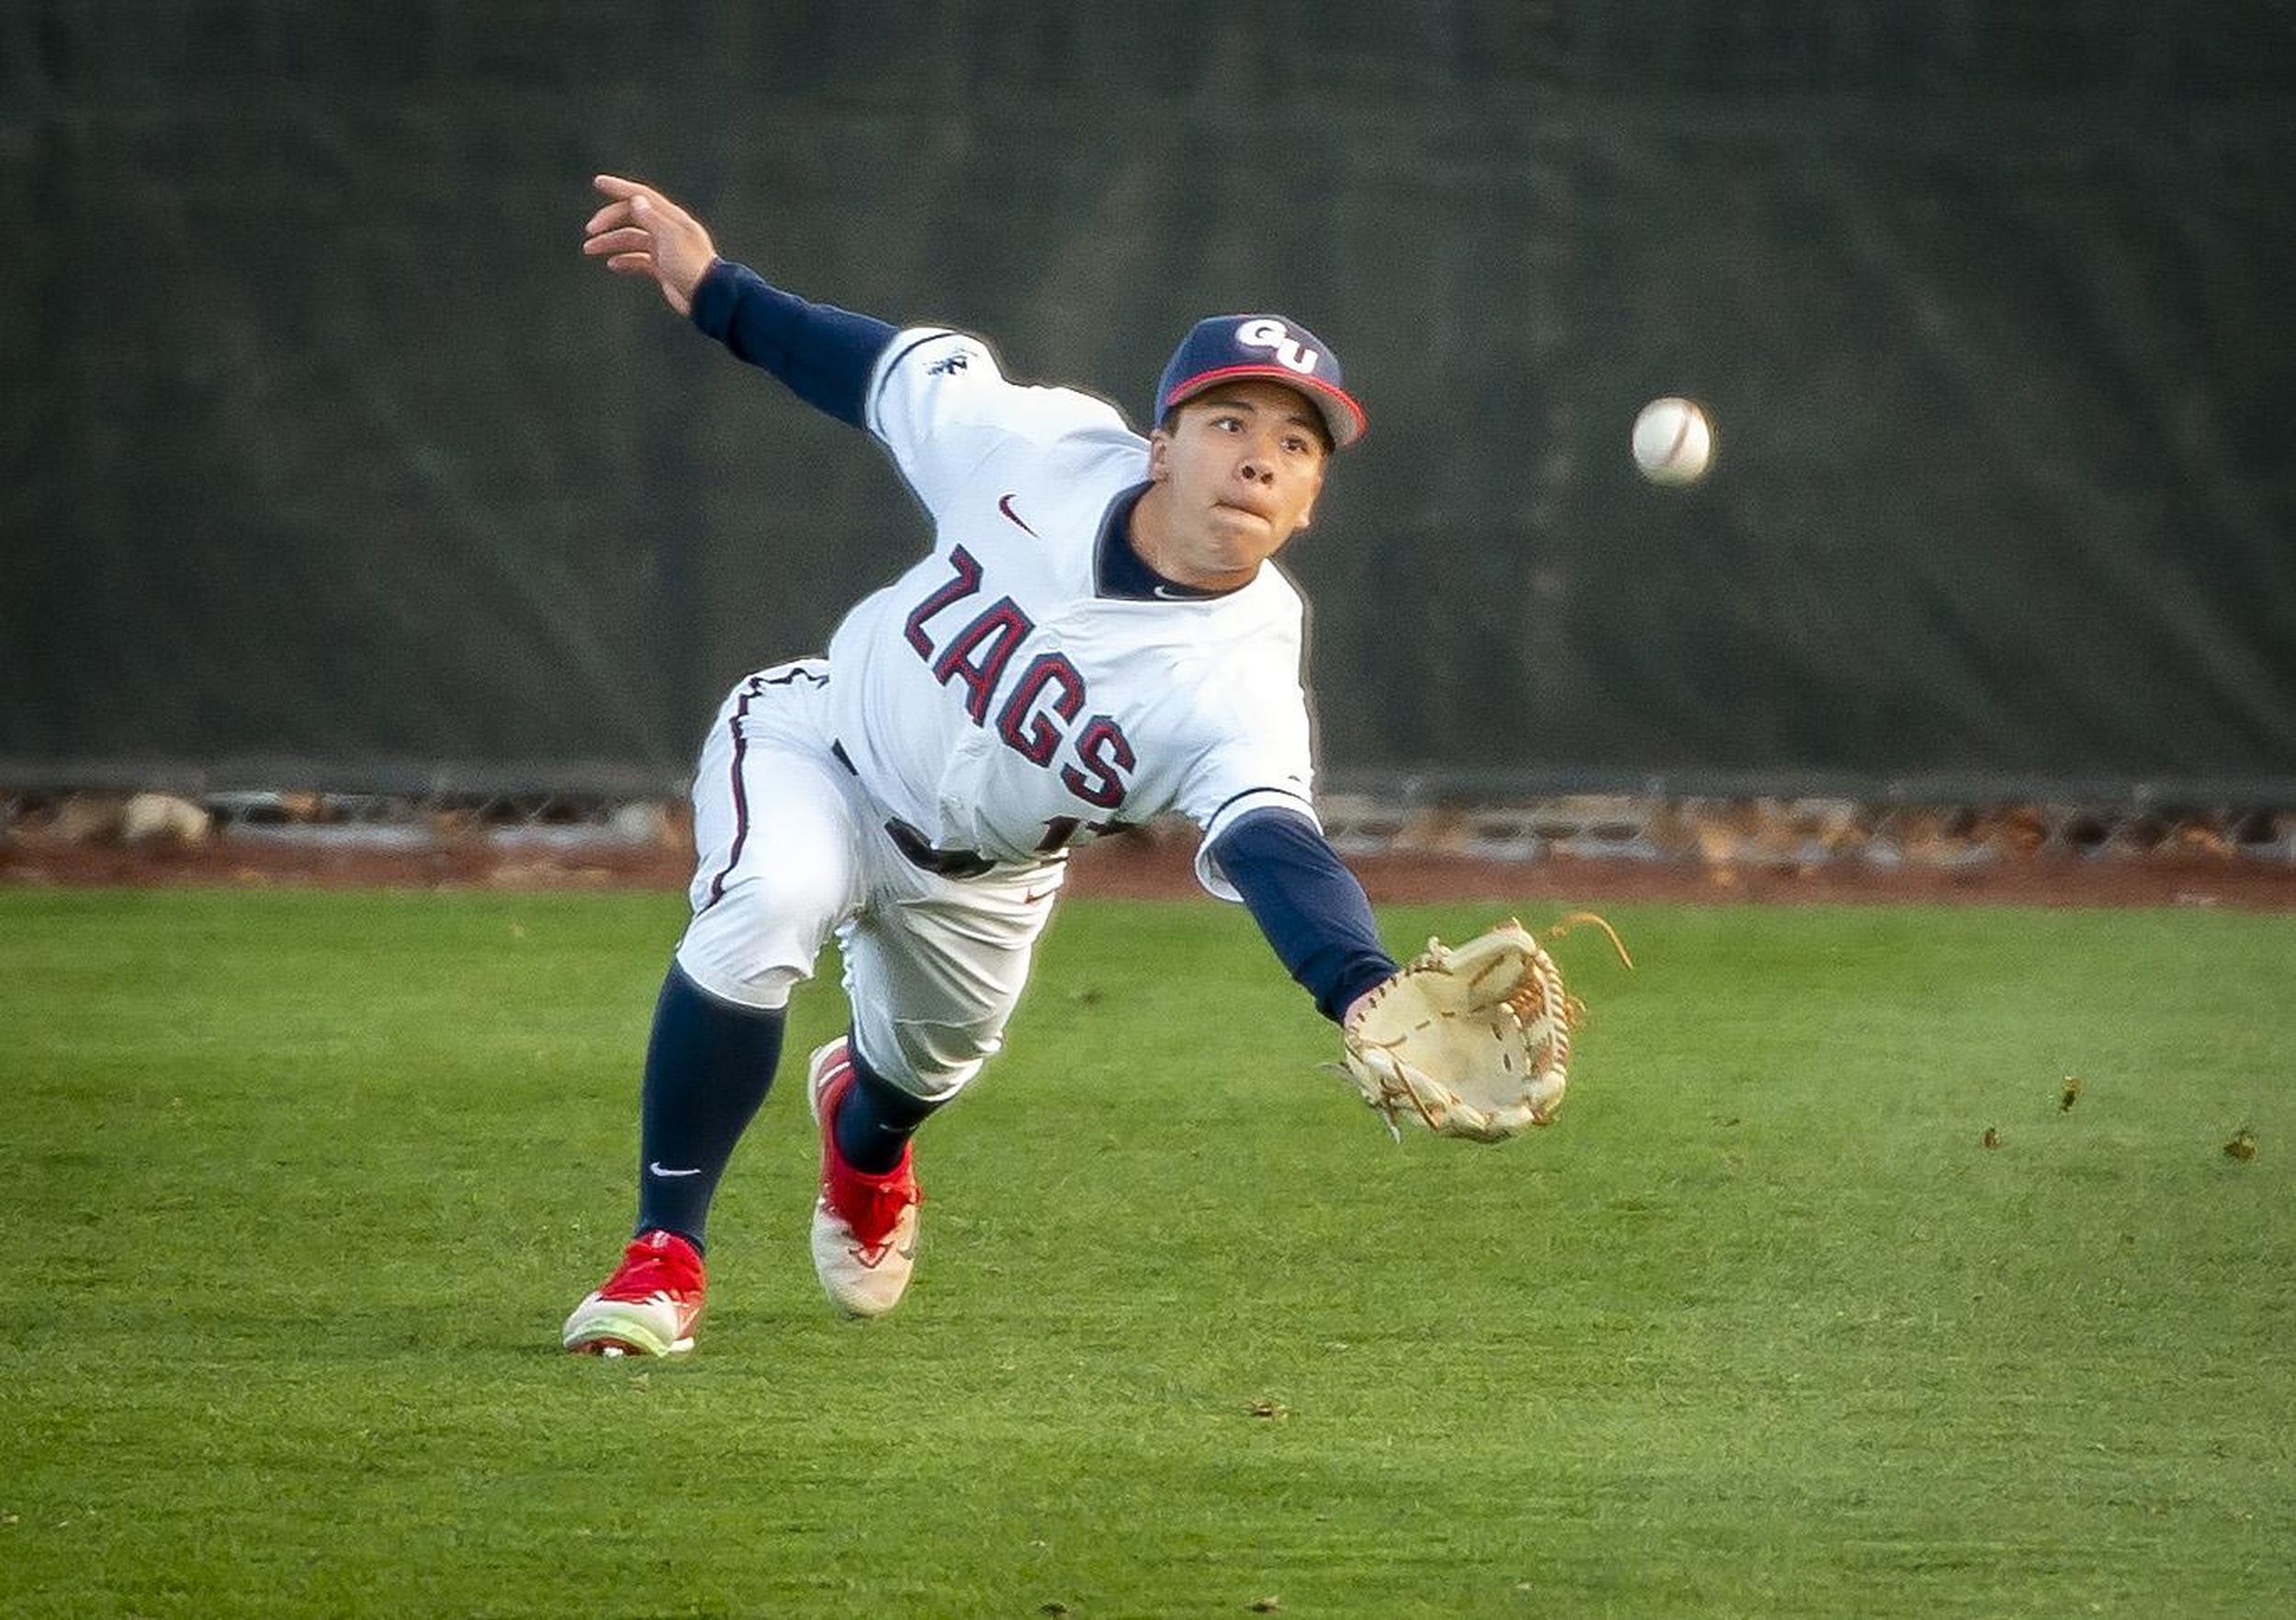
{"points": [[931, 1059], [742, 981], [743, 949]]}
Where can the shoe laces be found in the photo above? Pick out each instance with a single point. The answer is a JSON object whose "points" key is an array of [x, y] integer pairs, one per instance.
{"points": [[655, 1263], [870, 1205], [873, 1205]]}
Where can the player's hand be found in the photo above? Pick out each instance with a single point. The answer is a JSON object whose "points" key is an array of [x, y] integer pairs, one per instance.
{"points": [[642, 232]]}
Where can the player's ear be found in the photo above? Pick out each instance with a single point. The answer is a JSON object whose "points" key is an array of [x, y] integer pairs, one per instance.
{"points": [[1159, 455]]}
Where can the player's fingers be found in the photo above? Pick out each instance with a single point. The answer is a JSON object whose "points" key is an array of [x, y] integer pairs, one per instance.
{"points": [[627, 240], [617, 186], [631, 264], [605, 218], [652, 209]]}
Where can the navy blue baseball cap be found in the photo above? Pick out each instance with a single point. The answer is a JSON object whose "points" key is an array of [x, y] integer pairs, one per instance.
{"points": [[1227, 347]]}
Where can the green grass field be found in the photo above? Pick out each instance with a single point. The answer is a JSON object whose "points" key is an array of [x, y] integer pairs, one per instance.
{"points": [[299, 1185]]}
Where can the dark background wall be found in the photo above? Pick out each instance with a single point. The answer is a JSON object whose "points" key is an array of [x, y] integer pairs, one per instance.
{"points": [[322, 444]]}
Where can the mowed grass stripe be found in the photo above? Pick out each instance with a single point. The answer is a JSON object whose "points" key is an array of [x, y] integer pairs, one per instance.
{"points": [[301, 1184]]}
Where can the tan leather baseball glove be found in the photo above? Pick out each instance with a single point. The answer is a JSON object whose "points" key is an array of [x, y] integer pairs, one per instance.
{"points": [[1471, 1039]]}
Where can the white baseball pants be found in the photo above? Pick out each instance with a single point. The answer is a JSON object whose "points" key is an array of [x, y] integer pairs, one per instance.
{"points": [[790, 848]]}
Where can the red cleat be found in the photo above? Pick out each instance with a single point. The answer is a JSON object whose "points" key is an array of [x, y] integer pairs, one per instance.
{"points": [[864, 1226], [649, 1306]]}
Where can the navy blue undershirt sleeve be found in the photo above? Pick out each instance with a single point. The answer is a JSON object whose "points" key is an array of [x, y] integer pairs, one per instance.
{"points": [[826, 354], [1310, 905]]}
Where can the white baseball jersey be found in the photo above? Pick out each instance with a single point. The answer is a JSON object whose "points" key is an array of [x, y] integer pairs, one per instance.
{"points": [[990, 697]]}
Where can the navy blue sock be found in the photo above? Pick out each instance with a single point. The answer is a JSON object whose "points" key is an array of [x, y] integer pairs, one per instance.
{"points": [[708, 1066], [876, 1119]]}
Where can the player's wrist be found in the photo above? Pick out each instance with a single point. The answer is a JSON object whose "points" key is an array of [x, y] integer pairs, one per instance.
{"points": [[1353, 993], [712, 298]]}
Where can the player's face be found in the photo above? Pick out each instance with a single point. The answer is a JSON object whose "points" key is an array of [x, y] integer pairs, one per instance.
{"points": [[1238, 472]]}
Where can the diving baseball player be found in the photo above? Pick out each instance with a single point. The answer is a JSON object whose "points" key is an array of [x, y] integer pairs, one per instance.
{"points": [[1093, 640]]}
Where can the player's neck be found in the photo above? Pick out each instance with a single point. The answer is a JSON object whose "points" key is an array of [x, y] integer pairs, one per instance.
{"points": [[1150, 534]]}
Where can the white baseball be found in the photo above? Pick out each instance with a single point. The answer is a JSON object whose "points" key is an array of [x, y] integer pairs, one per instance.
{"points": [[1673, 442]]}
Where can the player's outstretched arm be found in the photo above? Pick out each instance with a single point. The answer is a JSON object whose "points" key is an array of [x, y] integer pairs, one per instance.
{"points": [[642, 232], [1310, 906]]}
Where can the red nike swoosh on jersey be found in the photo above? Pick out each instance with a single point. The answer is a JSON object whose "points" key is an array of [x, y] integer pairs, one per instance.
{"points": [[1005, 506]]}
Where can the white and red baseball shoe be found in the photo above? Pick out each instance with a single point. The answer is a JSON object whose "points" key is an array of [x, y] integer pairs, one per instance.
{"points": [[864, 1226], [649, 1306]]}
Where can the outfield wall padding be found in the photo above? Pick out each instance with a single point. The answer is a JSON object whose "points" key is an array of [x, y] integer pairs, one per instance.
{"points": [[323, 442]]}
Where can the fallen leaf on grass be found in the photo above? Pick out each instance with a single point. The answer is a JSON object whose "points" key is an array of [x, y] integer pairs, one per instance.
{"points": [[2070, 1094], [2243, 1145], [1270, 1409], [1267, 1605], [1991, 1138]]}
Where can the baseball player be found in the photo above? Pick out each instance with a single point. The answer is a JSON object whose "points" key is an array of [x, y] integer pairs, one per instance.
{"points": [[1093, 640]]}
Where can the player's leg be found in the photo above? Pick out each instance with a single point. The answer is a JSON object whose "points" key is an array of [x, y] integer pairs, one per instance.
{"points": [[933, 968], [774, 873]]}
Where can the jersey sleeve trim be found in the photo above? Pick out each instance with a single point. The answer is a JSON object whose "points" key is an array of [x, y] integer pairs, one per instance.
{"points": [[1208, 872], [896, 352]]}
